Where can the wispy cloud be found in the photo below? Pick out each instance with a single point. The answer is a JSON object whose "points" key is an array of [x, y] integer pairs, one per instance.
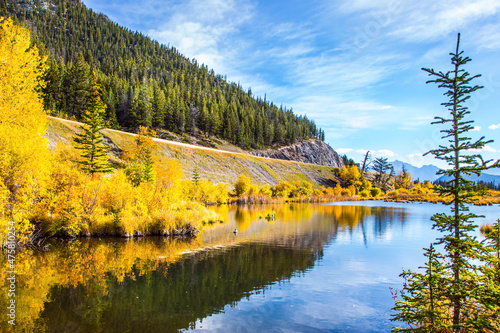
{"points": [[486, 148], [413, 21], [344, 150], [376, 153], [385, 153], [206, 30], [432, 21], [489, 149], [494, 126]]}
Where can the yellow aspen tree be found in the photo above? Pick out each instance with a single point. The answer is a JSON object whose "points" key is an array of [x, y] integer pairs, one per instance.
{"points": [[23, 123]]}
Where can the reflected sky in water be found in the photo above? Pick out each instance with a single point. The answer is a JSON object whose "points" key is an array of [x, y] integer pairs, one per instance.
{"points": [[347, 290]]}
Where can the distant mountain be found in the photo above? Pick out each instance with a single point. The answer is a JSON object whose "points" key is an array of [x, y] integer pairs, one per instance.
{"points": [[485, 177], [426, 172]]}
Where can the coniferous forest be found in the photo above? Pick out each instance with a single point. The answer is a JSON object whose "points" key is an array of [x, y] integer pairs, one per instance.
{"points": [[145, 83]]}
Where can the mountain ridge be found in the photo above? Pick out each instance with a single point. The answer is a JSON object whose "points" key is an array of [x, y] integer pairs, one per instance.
{"points": [[428, 172], [425, 172]]}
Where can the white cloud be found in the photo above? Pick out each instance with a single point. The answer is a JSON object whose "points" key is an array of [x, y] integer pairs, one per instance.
{"points": [[423, 21], [486, 148], [431, 21], [476, 128], [494, 127], [489, 36], [344, 150], [362, 151], [385, 153], [489, 149], [202, 29]]}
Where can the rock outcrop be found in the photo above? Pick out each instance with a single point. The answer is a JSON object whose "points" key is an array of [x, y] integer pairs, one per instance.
{"points": [[310, 151]]}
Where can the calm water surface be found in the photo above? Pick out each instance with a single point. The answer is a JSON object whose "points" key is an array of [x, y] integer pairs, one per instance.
{"points": [[314, 268]]}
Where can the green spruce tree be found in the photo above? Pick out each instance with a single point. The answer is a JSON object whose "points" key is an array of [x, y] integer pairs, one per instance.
{"points": [[90, 141], [465, 292], [196, 176]]}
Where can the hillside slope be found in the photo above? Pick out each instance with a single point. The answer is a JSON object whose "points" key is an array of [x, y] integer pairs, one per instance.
{"points": [[213, 164]]}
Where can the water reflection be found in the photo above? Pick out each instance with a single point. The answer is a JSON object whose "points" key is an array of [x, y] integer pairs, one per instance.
{"points": [[160, 285]]}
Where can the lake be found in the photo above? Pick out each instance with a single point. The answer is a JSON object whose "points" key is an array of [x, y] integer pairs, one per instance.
{"points": [[288, 268]]}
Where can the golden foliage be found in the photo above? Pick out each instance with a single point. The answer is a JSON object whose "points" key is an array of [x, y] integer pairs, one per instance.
{"points": [[142, 147], [23, 149], [350, 178], [403, 180], [242, 185]]}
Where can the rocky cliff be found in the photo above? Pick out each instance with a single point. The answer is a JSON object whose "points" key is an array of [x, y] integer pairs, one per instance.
{"points": [[311, 151]]}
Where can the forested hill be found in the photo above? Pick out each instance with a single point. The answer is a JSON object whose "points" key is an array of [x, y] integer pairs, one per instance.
{"points": [[146, 83]]}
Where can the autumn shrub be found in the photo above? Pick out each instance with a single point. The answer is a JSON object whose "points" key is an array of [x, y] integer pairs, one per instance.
{"points": [[352, 189], [241, 185], [375, 192], [417, 189], [221, 193], [282, 189], [59, 210], [305, 189], [253, 190], [203, 191], [393, 194], [266, 190], [350, 177], [365, 194], [486, 229], [345, 192], [331, 191], [403, 191], [337, 190]]}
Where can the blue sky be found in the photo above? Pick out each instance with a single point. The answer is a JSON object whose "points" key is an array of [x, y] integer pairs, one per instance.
{"points": [[354, 66]]}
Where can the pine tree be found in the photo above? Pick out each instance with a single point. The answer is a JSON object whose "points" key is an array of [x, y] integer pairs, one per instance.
{"points": [[94, 153], [148, 172], [196, 176], [159, 107], [420, 306], [76, 87], [465, 292], [141, 157], [52, 91], [384, 171]]}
